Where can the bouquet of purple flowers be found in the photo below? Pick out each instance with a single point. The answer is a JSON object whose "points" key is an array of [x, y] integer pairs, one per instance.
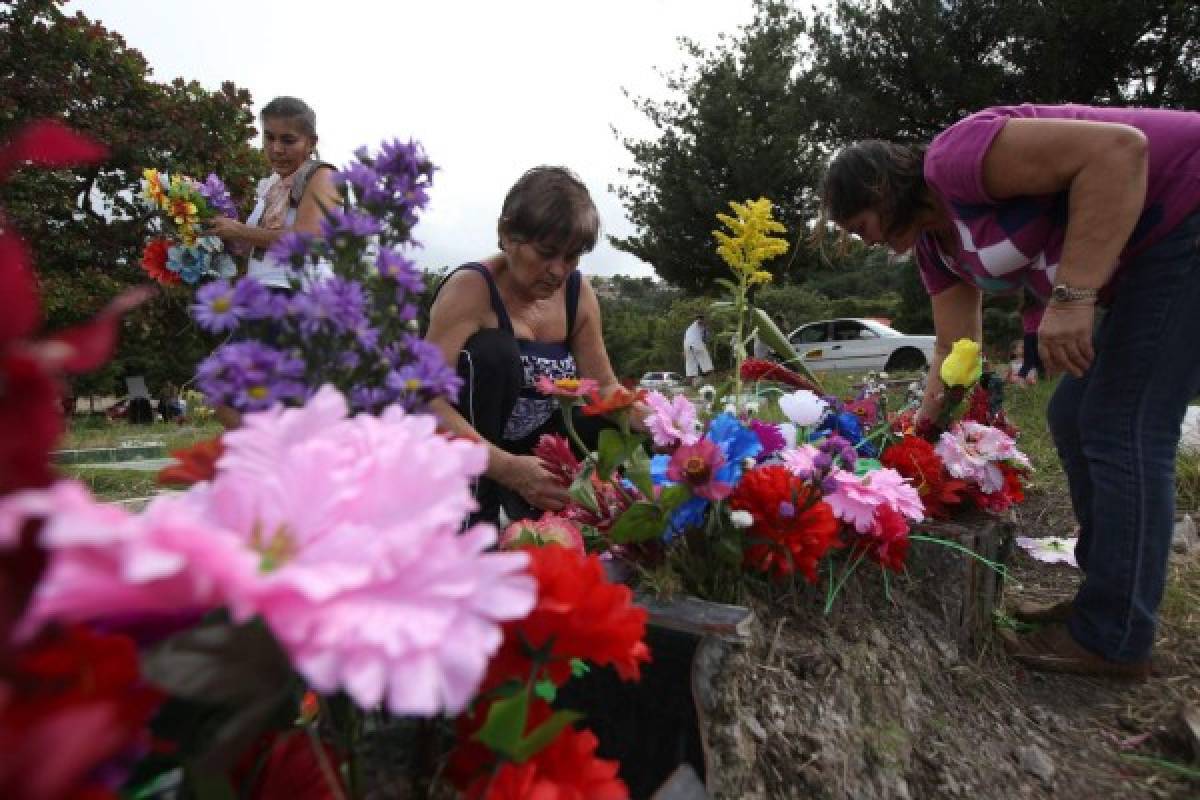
{"points": [[350, 329]]}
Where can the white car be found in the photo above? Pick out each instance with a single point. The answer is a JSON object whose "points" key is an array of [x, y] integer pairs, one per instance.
{"points": [[667, 382], [861, 345]]}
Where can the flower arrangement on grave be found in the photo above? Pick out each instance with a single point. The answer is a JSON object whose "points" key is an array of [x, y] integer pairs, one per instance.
{"points": [[180, 251], [830, 484], [313, 567]]}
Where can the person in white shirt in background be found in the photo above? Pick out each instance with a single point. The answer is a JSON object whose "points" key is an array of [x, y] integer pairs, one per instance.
{"points": [[697, 362]]}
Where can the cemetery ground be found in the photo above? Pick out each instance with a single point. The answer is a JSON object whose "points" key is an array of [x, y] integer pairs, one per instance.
{"points": [[872, 701]]}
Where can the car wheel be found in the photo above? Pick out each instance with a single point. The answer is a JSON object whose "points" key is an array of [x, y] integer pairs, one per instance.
{"points": [[906, 358]]}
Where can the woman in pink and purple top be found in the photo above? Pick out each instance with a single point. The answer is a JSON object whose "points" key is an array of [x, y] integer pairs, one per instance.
{"points": [[1083, 206]]}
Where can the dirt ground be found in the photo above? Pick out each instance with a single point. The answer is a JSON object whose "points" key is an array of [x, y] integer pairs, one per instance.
{"points": [[876, 701]]}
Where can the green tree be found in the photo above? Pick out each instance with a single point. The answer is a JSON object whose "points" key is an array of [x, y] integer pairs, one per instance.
{"points": [[85, 226], [736, 128]]}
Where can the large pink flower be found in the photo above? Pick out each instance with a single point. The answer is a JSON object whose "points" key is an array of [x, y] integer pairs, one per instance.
{"points": [[855, 499], [973, 452], [343, 535], [801, 460], [549, 528], [671, 422]]}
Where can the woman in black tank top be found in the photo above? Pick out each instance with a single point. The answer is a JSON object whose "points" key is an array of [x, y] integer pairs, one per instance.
{"points": [[517, 315]]}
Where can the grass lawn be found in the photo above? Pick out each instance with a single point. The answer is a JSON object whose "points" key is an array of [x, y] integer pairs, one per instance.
{"points": [[86, 432]]}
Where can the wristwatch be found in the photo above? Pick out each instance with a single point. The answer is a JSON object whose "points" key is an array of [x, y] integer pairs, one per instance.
{"points": [[1061, 293]]}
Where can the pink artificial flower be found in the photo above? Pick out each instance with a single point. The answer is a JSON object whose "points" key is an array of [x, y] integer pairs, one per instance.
{"points": [[342, 533], [801, 461], [671, 421], [558, 457], [550, 528], [972, 452], [697, 465], [854, 500], [566, 387]]}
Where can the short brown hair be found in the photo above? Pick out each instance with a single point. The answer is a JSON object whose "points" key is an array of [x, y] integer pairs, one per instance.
{"points": [[884, 177], [292, 108], [550, 204]]}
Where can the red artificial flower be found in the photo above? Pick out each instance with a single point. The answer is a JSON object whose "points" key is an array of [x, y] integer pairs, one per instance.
{"points": [[619, 400], [579, 614], [558, 457], [284, 766], [154, 262], [198, 463], [74, 704], [566, 769], [887, 542], [915, 459], [757, 369], [793, 527], [1012, 492], [30, 411]]}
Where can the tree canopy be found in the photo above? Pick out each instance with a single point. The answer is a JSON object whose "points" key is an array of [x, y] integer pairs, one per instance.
{"points": [[85, 226], [760, 113]]}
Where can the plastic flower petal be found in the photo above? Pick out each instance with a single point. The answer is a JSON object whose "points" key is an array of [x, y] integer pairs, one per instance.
{"points": [[1051, 549], [566, 387], [803, 407], [963, 366], [855, 499], [697, 465], [671, 421]]}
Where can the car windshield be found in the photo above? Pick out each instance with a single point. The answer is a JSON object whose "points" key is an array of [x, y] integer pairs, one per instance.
{"points": [[880, 328]]}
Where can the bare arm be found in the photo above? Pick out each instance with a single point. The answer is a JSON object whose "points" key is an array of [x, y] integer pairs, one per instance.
{"points": [[319, 194], [957, 314], [1103, 167]]}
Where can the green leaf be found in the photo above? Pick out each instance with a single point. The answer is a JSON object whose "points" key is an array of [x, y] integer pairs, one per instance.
{"points": [[638, 471], [728, 285], [865, 465], [581, 490], [614, 450], [543, 735], [579, 667], [777, 341], [672, 497], [505, 724], [546, 690], [640, 522]]}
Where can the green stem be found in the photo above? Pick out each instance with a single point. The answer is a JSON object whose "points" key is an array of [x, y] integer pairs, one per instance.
{"points": [[845, 577], [739, 352], [1000, 569], [567, 404]]}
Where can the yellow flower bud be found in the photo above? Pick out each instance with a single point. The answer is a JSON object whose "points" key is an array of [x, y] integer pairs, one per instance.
{"points": [[963, 366]]}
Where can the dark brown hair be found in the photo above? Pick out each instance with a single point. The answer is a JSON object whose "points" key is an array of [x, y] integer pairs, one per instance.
{"points": [[292, 108], [550, 204], [884, 177]]}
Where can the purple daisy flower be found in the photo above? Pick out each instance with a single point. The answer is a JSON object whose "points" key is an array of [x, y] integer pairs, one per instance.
{"points": [[336, 304], [251, 376], [394, 264], [291, 248], [370, 399], [213, 190], [340, 226], [218, 308]]}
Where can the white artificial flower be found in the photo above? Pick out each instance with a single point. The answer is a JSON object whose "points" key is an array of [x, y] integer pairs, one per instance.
{"points": [[1051, 550], [788, 430], [741, 519], [803, 407]]}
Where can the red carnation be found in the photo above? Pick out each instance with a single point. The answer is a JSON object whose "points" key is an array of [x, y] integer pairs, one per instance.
{"points": [[154, 262], [1001, 500], [558, 457], [757, 369], [567, 769], [915, 459], [579, 614], [887, 542], [799, 527]]}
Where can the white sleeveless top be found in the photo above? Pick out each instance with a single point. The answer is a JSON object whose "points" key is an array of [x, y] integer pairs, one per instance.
{"points": [[266, 270]]}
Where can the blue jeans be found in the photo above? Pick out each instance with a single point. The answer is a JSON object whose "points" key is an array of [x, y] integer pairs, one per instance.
{"points": [[1117, 431]]}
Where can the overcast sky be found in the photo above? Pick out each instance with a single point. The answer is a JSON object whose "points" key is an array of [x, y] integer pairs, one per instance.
{"points": [[490, 88]]}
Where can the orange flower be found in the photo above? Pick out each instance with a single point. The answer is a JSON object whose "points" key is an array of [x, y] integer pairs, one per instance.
{"points": [[620, 400], [197, 463]]}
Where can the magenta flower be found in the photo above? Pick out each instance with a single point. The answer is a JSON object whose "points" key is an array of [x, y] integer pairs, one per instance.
{"points": [[671, 422], [697, 465], [972, 452], [855, 499], [566, 387], [341, 533]]}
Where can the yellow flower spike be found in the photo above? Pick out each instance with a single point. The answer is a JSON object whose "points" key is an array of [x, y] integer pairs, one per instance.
{"points": [[963, 366], [750, 243]]}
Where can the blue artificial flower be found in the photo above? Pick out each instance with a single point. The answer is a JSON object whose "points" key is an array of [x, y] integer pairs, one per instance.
{"points": [[190, 263]]}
